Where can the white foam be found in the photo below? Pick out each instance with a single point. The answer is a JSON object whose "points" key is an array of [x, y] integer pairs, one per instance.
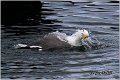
{"points": [[40, 49], [20, 45], [35, 47]]}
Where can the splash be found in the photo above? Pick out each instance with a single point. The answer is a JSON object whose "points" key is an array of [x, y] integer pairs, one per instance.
{"points": [[91, 43]]}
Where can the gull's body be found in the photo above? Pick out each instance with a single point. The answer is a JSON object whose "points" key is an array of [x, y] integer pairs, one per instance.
{"points": [[58, 40]]}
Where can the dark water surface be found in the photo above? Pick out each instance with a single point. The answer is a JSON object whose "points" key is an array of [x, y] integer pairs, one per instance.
{"points": [[100, 18]]}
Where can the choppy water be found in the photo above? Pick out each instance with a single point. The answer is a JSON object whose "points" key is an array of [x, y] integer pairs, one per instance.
{"points": [[100, 18]]}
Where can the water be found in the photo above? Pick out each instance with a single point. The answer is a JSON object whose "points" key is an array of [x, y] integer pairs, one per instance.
{"points": [[98, 17]]}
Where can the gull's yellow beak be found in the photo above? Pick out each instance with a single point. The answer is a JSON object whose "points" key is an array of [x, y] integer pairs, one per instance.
{"points": [[84, 35]]}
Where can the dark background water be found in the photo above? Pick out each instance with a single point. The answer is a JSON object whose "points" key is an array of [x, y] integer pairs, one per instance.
{"points": [[101, 18]]}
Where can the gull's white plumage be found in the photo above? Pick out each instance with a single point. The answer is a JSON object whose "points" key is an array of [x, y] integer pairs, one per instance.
{"points": [[76, 38]]}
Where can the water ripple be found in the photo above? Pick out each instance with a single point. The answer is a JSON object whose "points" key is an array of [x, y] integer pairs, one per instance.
{"points": [[98, 17]]}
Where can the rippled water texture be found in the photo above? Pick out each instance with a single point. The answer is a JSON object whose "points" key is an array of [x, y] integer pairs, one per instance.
{"points": [[100, 18]]}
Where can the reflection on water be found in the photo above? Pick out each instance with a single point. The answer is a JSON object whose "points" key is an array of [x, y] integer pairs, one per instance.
{"points": [[100, 18]]}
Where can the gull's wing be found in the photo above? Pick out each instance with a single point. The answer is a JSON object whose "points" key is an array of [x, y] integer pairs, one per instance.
{"points": [[51, 41]]}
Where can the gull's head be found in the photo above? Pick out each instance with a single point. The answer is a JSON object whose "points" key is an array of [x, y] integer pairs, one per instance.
{"points": [[84, 34], [76, 38]]}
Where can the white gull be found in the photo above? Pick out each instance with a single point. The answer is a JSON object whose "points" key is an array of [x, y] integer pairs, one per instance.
{"points": [[59, 40]]}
